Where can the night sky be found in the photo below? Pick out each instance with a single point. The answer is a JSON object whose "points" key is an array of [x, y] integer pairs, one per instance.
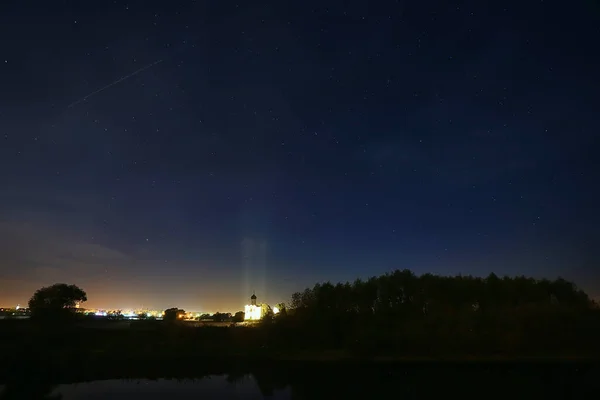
{"points": [[186, 153]]}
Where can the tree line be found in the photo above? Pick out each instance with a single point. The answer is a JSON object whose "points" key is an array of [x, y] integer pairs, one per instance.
{"points": [[431, 314], [402, 292]]}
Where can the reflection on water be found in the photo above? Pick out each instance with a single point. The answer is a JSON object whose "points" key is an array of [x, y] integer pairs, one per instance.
{"points": [[350, 382], [216, 387]]}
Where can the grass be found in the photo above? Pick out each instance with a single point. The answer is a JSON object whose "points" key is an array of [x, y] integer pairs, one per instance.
{"points": [[142, 343]]}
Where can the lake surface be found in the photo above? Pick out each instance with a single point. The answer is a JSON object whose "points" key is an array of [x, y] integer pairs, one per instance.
{"points": [[341, 382], [213, 387]]}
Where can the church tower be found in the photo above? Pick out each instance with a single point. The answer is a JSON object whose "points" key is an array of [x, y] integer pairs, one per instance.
{"points": [[253, 312]]}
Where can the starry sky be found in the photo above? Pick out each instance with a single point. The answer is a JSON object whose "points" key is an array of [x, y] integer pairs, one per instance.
{"points": [[187, 153]]}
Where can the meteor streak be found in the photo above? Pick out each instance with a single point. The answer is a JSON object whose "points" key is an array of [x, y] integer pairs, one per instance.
{"points": [[114, 83]]}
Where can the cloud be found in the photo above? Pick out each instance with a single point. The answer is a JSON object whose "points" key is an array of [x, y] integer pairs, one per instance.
{"points": [[50, 253], [37, 254]]}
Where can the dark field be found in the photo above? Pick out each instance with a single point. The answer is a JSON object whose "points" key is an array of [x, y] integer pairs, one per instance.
{"points": [[96, 339]]}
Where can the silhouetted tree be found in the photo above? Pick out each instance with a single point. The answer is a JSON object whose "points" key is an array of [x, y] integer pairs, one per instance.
{"points": [[221, 317], [174, 314], [268, 316], [56, 302], [282, 309], [239, 316], [117, 316]]}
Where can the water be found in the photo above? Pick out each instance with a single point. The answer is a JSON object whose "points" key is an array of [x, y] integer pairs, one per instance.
{"points": [[304, 381], [213, 387]]}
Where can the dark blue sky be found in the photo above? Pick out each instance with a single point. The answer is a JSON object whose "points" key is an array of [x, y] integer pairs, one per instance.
{"points": [[270, 146]]}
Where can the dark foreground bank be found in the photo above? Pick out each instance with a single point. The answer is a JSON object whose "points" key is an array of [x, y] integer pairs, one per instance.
{"points": [[99, 341]]}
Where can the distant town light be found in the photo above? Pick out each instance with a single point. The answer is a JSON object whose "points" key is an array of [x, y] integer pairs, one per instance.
{"points": [[275, 310]]}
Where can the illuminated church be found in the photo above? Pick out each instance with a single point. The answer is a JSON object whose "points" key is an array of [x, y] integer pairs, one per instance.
{"points": [[254, 312]]}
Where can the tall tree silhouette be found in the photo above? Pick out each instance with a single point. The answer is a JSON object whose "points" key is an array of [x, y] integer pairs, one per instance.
{"points": [[56, 302]]}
